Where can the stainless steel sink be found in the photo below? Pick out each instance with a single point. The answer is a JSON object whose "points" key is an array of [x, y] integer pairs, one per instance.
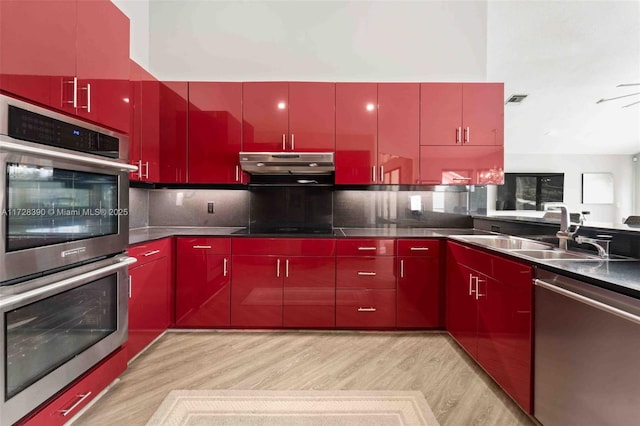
{"points": [[505, 242], [556, 255]]}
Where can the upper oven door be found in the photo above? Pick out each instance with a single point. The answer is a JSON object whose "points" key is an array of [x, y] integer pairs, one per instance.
{"points": [[58, 208]]}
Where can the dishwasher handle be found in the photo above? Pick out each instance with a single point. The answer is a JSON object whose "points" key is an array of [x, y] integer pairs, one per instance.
{"points": [[588, 301]]}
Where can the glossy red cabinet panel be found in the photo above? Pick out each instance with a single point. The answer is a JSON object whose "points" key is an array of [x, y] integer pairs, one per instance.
{"points": [[309, 292], [461, 307], [215, 132], [422, 248], [203, 245], [285, 246], [203, 289], [311, 117], [37, 50], [441, 114], [257, 302], [173, 131], [144, 132], [356, 133], [366, 272], [265, 120], [366, 247], [398, 133], [359, 308], [136, 73], [471, 165], [73, 397], [419, 292], [483, 114]]}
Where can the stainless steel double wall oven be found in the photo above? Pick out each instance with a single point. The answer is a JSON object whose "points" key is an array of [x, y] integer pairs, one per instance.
{"points": [[63, 268]]}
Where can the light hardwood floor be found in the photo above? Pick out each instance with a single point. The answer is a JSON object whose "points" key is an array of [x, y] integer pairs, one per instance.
{"points": [[457, 390]]}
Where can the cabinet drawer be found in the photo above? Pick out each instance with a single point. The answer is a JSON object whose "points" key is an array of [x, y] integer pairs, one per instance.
{"points": [[366, 247], [423, 248], [204, 246], [285, 246], [69, 402], [150, 251], [365, 308], [366, 272]]}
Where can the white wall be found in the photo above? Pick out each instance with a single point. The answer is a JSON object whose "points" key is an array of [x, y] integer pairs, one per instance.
{"points": [[318, 40], [573, 166], [138, 13]]}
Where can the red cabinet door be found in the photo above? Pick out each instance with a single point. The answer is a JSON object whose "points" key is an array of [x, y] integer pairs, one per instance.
{"points": [[311, 117], [38, 51], [136, 73], [148, 304], [265, 120], [203, 289], [441, 114], [483, 114], [150, 128], [398, 133], [461, 306], [173, 131], [257, 302], [365, 308], [469, 165], [419, 292], [356, 133], [215, 132], [309, 292], [102, 63]]}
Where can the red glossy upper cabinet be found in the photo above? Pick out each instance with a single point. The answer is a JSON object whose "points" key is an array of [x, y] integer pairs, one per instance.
{"points": [[215, 132], [144, 132], [356, 133], [135, 113], [311, 117], [483, 114], [471, 165], [37, 50], [265, 122], [173, 131], [398, 133], [102, 64], [441, 114]]}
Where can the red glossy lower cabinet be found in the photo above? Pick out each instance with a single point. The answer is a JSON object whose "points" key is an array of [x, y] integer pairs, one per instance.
{"points": [[203, 282], [309, 292], [70, 401], [150, 289], [256, 296], [419, 292], [489, 314], [366, 272], [365, 308]]}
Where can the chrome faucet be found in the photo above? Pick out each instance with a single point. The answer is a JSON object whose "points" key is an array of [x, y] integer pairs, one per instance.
{"points": [[564, 234], [601, 244]]}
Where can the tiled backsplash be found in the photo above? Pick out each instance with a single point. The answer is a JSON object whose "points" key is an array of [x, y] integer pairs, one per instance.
{"points": [[353, 209]]}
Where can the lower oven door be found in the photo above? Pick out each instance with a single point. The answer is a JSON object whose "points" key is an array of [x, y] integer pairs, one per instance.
{"points": [[58, 330]]}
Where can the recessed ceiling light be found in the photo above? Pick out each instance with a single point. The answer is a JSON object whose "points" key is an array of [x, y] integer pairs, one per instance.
{"points": [[515, 99]]}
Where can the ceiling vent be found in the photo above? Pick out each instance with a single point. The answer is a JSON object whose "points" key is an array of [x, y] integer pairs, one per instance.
{"points": [[515, 99]]}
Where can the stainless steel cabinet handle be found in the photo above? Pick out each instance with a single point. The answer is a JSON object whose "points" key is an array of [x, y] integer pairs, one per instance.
{"points": [[286, 268], [237, 173], [458, 132], [401, 268], [419, 248], [293, 146], [467, 134], [140, 169], [366, 309], [367, 248], [88, 106], [478, 281], [81, 397], [284, 142], [201, 247], [74, 101], [278, 268], [382, 174], [151, 253], [366, 274], [588, 301], [471, 290], [146, 174], [373, 177], [462, 178], [130, 280], [224, 267]]}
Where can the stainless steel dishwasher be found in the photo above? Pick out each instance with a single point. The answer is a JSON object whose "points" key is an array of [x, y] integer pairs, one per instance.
{"points": [[587, 354]]}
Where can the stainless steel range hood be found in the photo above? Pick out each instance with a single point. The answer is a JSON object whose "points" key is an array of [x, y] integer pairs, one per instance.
{"points": [[287, 163]]}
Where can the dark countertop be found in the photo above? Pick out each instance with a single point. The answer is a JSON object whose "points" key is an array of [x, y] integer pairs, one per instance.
{"points": [[392, 232], [540, 220], [149, 233]]}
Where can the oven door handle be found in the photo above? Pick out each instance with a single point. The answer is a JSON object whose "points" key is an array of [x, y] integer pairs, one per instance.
{"points": [[7, 144], [66, 284]]}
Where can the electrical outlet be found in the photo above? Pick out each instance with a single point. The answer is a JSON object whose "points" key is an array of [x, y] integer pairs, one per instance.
{"points": [[211, 207]]}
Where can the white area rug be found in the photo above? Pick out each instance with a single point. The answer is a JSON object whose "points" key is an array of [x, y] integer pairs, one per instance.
{"points": [[293, 408]]}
